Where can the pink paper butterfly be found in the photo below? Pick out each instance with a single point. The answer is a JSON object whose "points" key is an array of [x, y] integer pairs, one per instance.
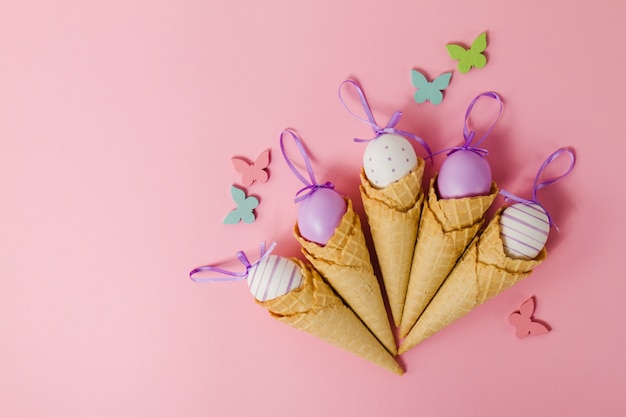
{"points": [[524, 322], [254, 171]]}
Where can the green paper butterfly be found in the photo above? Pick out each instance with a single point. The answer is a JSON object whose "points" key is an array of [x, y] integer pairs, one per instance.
{"points": [[245, 207], [472, 57], [430, 90]]}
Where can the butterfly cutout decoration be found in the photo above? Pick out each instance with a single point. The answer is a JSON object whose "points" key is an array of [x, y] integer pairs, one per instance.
{"points": [[430, 90], [254, 171], [472, 57], [245, 207], [524, 323]]}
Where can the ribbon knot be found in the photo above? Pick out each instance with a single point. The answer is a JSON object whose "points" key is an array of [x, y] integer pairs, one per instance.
{"points": [[310, 189], [231, 275], [390, 127], [539, 185]]}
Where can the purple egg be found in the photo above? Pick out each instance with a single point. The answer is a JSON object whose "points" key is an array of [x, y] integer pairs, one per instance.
{"points": [[464, 174], [319, 215]]}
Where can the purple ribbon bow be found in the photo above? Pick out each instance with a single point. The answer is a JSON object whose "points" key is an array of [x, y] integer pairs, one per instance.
{"points": [[390, 127], [310, 186], [234, 276], [539, 185]]}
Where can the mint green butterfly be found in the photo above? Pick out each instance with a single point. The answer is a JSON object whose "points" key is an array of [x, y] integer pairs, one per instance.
{"points": [[430, 90], [472, 57], [245, 207]]}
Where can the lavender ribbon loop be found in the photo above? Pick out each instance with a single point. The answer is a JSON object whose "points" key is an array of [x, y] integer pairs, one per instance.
{"points": [[390, 127], [230, 275], [469, 135], [310, 186], [539, 185]]}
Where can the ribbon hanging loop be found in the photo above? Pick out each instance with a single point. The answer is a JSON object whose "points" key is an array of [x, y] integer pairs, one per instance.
{"points": [[311, 185], [390, 127], [468, 134], [231, 275], [539, 185]]}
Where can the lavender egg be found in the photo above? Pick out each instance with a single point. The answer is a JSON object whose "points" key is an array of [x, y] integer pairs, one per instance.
{"points": [[319, 215], [464, 174]]}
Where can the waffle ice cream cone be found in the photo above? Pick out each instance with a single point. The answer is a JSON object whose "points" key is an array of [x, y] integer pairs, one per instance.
{"points": [[317, 310], [393, 215], [483, 272], [345, 264], [446, 227]]}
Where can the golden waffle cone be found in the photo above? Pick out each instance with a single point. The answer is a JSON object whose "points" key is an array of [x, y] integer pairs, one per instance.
{"points": [[483, 272], [315, 309], [447, 226], [393, 214], [345, 263]]}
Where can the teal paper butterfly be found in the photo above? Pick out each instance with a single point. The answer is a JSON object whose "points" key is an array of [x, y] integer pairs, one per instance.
{"points": [[430, 90], [472, 57], [245, 207]]}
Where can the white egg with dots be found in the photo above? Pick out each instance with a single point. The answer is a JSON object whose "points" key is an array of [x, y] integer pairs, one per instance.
{"points": [[524, 230], [387, 159]]}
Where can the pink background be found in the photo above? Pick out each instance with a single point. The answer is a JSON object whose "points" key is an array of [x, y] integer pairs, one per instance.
{"points": [[118, 120]]}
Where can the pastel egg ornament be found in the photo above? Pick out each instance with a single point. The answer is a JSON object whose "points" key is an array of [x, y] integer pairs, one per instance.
{"points": [[464, 173], [387, 159], [320, 208], [524, 229], [273, 276], [320, 213]]}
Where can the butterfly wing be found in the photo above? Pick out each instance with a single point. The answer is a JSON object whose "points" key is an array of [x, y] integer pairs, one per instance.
{"points": [[239, 196], [263, 160], [257, 171], [443, 81], [422, 84], [461, 54], [521, 324], [247, 209], [476, 51], [240, 165], [437, 86], [259, 175], [527, 308], [422, 95], [247, 171], [233, 217], [418, 79], [480, 43], [537, 329]]}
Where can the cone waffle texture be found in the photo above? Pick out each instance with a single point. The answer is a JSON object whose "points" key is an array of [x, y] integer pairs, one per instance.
{"points": [[446, 227], [483, 272], [317, 310], [393, 215], [345, 263]]}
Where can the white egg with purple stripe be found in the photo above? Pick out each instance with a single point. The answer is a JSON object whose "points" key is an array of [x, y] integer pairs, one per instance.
{"points": [[524, 230], [273, 276]]}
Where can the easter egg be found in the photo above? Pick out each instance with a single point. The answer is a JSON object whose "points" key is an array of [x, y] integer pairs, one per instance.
{"points": [[387, 159], [464, 174], [319, 215], [524, 230], [273, 276]]}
